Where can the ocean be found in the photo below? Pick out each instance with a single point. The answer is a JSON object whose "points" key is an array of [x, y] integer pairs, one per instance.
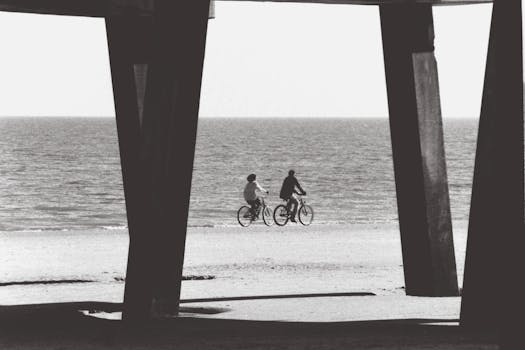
{"points": [[63, 174]]}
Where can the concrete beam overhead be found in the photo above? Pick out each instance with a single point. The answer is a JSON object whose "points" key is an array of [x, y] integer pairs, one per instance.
{"points": [[103, 8]]}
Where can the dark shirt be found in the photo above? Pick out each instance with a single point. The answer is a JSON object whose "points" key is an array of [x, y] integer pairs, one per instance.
{"points": [[288, 187]]}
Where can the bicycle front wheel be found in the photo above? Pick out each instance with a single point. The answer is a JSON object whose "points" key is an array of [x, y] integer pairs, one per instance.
{"points": [[267, 216], [280, 215], [306, 215], [244, 216]]}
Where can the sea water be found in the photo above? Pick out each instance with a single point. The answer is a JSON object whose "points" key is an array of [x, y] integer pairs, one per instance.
{"points": [[64, 173]]}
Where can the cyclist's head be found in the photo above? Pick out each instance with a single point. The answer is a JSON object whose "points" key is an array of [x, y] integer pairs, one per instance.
{"points": [[291, 173], [251, 177]]}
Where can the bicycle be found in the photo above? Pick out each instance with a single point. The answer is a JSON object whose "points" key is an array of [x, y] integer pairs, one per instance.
{"points": [[245, 214], [305, 213]]}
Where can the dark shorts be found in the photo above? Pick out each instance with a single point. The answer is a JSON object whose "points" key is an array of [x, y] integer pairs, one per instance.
{"points": [[291, 197], [255, 203]]}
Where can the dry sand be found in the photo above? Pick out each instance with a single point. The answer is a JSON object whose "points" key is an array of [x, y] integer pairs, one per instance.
{"points": [[242, 262]]}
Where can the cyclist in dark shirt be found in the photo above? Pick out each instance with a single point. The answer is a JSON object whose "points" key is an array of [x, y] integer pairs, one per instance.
{"points": [[288, 191]]}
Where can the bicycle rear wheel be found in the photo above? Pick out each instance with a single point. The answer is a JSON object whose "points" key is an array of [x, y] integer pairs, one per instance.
{"points": [[244, 216], [306, 215], [267, 216], [280, 215]]}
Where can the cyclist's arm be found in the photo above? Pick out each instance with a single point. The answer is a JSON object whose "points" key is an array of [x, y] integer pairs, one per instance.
{"points": [[299, 187], [261, 189]]}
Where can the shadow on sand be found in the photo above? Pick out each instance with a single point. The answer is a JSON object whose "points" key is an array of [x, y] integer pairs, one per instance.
{"points": [[69, 326]]}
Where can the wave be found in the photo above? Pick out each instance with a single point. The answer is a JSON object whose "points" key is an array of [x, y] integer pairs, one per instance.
{"points": [[193, 226], [61, 229], [203, 225], [110, 228], [54, 208]]}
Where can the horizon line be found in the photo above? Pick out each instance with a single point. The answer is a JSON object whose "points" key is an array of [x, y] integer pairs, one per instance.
{"points": [[233, 117]]}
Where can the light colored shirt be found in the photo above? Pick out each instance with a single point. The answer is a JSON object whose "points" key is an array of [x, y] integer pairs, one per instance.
{"points": [[250, 190]]}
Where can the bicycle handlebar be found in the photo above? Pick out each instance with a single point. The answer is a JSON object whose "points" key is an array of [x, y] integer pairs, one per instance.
{"points": [[299, 195]]}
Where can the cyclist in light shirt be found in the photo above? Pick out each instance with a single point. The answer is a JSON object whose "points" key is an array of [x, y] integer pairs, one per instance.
{"points": [[250, 193]]}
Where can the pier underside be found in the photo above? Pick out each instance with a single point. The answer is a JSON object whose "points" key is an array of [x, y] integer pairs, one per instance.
{"points": [[104, 8]]}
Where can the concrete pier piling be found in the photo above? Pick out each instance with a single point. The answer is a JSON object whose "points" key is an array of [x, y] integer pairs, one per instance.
{"points": [[494, 283], [125, 52], [418, 150], [157, 154]]}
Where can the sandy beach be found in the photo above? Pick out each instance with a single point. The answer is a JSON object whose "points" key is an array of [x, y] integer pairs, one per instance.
{"points": [[293, 276], [231, 260]]}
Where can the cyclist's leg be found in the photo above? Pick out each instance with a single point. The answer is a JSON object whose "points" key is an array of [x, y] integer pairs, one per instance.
{"points": [[257, 206], [252, 206], [294, 204]]}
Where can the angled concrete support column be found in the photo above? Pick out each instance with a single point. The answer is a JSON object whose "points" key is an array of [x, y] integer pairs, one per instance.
{"points": [[493, 289], [128, 45], [157, 153], [418, 150], [171, 109]]}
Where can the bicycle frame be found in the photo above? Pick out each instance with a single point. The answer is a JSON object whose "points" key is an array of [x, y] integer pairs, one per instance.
{"points": [[300, 201], [260, 208]]}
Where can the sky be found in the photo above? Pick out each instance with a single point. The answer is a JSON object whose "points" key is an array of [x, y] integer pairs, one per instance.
{"points": [[262, 60]]}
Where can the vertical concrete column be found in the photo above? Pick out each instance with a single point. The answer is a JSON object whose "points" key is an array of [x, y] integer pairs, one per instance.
{"points": [[169, 130], [493, 288], [128, 41], [418, 150], [156, 67]]}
